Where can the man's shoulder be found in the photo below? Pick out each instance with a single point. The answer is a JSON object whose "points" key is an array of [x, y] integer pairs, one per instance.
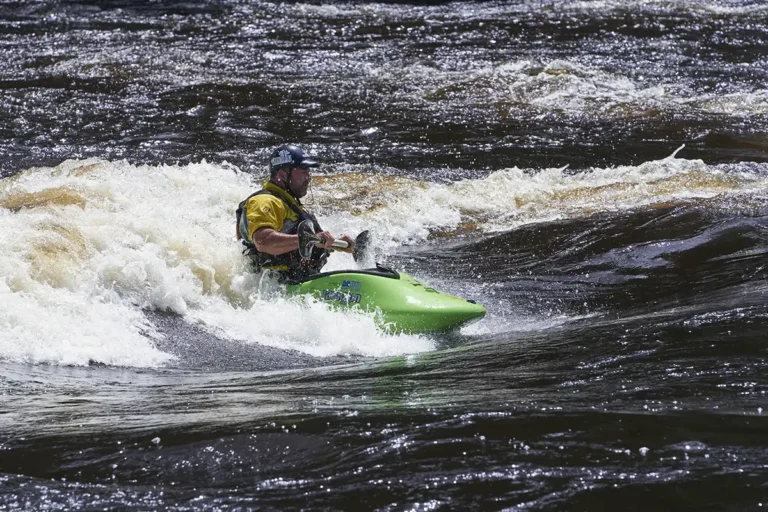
{"points": [[264, 197], [265, 204]]}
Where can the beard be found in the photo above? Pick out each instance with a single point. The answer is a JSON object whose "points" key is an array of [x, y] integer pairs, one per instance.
{"points": [[298, 191]]}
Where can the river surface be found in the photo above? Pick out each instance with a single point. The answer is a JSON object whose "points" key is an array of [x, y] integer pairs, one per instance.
{"points": [[594, 172]]}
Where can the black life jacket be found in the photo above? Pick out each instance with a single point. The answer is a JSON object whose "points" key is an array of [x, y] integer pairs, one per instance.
{"points": [[291, 265]]}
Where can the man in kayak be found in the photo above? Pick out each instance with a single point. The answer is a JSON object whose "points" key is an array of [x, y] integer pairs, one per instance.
{"points": [[267, 220]]}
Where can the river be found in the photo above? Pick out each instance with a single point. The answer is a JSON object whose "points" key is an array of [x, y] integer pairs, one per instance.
{"points": [[594, 172]]}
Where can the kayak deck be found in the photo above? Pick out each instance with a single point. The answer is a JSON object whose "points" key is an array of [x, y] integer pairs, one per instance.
{"points": [[402, 304]]}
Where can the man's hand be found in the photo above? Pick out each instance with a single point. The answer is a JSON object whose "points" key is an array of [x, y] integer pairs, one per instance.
{"points": [[351, 243], [329, 239]]}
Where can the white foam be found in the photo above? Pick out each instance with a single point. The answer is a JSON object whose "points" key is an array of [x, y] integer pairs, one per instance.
{"points": [[517, 198], [742, 104], [92, 243], [583, 90], [46, 325], [563, 86], [568, 86]]}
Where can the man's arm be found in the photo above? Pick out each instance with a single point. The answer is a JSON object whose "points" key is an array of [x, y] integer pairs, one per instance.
{"points": [[269, 241]]}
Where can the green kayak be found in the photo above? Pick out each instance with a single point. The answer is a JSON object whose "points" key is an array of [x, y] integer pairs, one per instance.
{"points": [[403, 304]]}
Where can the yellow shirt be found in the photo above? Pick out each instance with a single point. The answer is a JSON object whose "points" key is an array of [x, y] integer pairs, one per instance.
{"points": [[268, 211]]}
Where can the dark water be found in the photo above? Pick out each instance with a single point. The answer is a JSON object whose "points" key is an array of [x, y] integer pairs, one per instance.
{"points": [[641, 382], [181, 81]]}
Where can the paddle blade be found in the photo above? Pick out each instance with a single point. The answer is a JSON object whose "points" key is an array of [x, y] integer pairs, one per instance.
{"points": [[307, 238], [362, 243]]}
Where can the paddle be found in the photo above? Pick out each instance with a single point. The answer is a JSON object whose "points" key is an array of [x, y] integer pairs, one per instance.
{"points": [[308, 240]]}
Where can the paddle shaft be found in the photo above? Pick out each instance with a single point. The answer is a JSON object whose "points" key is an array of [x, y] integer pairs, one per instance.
{"points": [[339, 244], [309, 240]]}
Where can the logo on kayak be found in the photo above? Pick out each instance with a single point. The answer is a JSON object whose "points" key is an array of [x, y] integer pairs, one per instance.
{"points": [[355, 285], [346, 298]]}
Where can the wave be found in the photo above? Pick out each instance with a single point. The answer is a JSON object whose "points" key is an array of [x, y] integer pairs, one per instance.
{"points": [[91, 244], [532, 87], [404, 210], [88, 245]]}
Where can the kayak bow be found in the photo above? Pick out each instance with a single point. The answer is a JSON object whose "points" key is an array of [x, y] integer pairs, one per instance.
{"points": [[402, 303]]}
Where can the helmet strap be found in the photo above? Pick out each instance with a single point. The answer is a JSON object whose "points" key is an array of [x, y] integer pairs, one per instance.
{"points": [[288, 181]]}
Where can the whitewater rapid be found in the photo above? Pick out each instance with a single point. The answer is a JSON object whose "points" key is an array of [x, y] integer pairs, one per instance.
{"points": [[90, 245]]}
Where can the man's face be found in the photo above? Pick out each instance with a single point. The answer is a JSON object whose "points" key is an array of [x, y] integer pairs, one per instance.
{"points": [[299, 182]]}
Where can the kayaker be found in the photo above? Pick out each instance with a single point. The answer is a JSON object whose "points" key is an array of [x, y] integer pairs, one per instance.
{"points": [[267, 220]]}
